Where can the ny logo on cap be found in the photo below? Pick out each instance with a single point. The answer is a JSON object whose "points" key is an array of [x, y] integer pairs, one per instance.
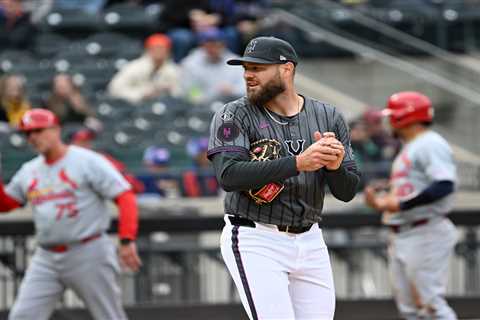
{"points": [[251, 46]]}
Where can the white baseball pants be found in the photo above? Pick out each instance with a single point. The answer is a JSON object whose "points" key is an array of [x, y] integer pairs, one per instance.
{"points": [[279, 275]]}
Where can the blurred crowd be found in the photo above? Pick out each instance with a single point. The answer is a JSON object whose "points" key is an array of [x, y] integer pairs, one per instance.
{"points": [[187, 49], [195, 36], [373, 145], [192, 41]]}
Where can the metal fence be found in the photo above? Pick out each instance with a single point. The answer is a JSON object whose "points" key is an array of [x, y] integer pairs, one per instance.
{"points": [[182, 264]]}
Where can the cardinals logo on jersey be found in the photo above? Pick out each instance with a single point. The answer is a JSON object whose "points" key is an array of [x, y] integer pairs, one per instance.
{"points": [[64, 177], [38, 193]]}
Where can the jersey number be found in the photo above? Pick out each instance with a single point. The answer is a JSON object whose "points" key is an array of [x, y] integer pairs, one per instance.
{"points": [[69, 209]]}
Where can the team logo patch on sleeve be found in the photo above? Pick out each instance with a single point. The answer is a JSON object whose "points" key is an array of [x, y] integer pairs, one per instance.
{"points": [[228, 132], [227, 116]]}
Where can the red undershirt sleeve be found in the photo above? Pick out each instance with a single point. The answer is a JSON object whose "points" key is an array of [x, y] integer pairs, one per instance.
{"points": [[128, 215], [7, 203]]}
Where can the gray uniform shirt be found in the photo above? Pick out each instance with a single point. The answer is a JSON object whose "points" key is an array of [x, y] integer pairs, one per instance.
{"points": [[426, 159], [68, 196], [238, 124]]}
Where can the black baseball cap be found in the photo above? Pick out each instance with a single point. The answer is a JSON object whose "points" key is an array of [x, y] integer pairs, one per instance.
{"points": [[267, 50]]}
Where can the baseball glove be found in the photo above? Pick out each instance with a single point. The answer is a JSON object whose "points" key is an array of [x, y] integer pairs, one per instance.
{"points": [[265, 150]]}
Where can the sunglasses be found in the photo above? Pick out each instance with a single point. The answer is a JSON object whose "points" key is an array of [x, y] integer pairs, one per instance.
{"points": [[29, 132]]}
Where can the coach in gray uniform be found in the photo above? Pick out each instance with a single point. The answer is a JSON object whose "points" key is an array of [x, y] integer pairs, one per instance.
{"points": [[275, 251], [67, 188]]}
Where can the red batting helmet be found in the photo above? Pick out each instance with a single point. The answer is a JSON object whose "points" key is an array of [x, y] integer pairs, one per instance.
{"points": [[405, 108], [38, 119]]}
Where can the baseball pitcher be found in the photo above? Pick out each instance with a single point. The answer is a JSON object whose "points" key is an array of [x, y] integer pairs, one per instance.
{"points": [[273, 152]]}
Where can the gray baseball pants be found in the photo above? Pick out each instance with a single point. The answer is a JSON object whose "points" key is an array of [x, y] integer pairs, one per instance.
{"points": [[90, 269], [419, 260]]}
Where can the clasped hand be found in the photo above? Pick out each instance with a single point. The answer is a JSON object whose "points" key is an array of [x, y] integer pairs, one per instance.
{"points": [[326, 152]]}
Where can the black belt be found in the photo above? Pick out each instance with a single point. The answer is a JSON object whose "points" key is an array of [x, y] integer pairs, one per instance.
{"points": [[244, 222], [407, 226]]}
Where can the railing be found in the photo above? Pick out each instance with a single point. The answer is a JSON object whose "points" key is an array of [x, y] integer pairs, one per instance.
{"points": [[383, 33], [402, 65], [182, 264]]}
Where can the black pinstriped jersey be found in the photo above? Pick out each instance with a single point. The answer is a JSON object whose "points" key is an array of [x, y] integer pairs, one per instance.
{"points": [[239, 123]]}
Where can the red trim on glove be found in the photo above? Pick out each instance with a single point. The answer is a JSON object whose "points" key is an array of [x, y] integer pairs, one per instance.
{"points": [[7, 203], [128, 215]]}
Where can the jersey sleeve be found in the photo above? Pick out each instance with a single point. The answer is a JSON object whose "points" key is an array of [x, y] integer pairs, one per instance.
{"points": [[104, 178], [342, 134], [229, 131], [436, 158], [15, 188]]}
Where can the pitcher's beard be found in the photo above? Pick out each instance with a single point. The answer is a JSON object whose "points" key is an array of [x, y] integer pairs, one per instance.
{"points": [[265, 94]]}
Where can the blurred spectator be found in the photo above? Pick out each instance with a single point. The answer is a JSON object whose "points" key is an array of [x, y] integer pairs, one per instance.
{"points": [[183, 19], [368, 154], [197, 148], [150, 76], [160, 180], [207, 60], [16, 30], [248, 17], [87, 6], [37, 9], [132, 2], [156, 159], [365, 149], [200, 181], [354, 2], [84, 138], [13, 100], [67, 102], [379, 135]]}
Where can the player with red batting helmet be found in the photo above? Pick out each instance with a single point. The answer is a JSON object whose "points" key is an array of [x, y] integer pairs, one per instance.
{"points": [[422, 184], [405, 108]]}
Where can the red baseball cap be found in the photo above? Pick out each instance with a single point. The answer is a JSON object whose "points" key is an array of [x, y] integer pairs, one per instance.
{"points": [[38, 119], [158, 39]]}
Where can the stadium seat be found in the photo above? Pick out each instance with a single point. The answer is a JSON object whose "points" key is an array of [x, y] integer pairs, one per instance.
{"points": [[49, 44], [75, 54], [11, 58], [15, 151], [113, 45], [130, 18], [113, 111], [71, 23], [198, 120]]}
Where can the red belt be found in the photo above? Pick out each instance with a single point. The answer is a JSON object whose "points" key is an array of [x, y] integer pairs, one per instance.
{"points": [[408, 226], [60, 248]]}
